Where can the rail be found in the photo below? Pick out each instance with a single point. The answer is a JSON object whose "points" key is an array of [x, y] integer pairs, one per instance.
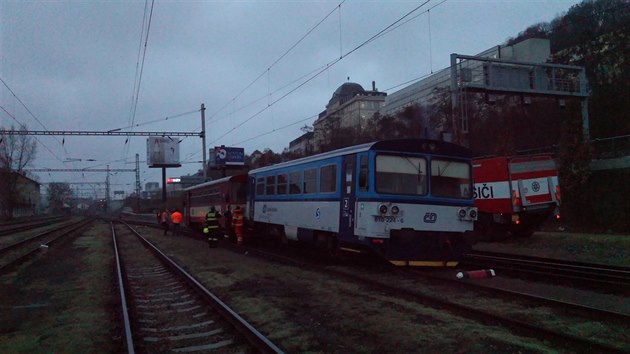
{"points": [[254, 337]]}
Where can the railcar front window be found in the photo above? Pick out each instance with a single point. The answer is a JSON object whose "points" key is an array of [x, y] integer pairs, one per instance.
{"points": [[450, 179], [401, 175]]}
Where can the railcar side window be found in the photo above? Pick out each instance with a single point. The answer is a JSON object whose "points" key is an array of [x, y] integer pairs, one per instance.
{"points": [[282, 184], [310, 180], [328, 179], [239, 192], [295, 182], [260, 186], [363, 174], [450, 179], [271, 185], [401, 175]]}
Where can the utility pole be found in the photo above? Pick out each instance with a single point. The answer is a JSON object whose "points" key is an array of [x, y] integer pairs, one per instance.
{"points": [[138, 186], [107, 190], [164, 186], [203, 139]]}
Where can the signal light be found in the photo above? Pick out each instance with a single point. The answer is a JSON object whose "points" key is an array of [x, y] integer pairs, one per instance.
{"points": [[556, 214], [473, 214], [383, 209], [377, 241], [395, 210], [462, 213], [515, 199], [515, 219]]}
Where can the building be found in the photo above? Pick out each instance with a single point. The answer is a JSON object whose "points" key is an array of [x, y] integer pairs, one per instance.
{"points": [[533, 50], [27, 194], [303, 145], [349, 107], [151, 190]]}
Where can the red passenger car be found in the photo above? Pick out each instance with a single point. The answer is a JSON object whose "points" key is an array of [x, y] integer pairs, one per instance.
{"points": [[220, 194]]}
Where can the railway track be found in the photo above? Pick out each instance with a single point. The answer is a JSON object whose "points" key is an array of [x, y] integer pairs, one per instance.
{"points": [[166, 309], [23, 225], [305, 260], [588, 274], [20, 251], [520, 326]]}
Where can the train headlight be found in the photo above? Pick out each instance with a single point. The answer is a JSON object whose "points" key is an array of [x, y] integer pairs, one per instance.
{"points": [[473, 213], [462, 213], [395, 210], [382, 209]]}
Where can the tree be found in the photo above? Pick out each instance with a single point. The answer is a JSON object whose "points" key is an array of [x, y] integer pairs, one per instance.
{"points": [[58, 195], [16, 152], [574, 170]]}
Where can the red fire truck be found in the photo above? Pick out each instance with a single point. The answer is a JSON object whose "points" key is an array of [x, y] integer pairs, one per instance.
{"points": [[514, 195]]}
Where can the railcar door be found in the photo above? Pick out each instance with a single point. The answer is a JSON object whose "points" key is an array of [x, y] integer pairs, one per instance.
{"points": [[251, 198], [348, 195]]}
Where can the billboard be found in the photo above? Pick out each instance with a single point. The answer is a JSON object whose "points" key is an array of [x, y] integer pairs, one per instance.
{"points": [[162, 152], [229, 156]]}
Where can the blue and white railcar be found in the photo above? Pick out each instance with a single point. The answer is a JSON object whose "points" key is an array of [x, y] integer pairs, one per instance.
{"points": [[408, 200]]}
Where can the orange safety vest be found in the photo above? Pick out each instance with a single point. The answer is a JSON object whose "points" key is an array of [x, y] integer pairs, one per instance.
{"points": [[237, 219], [176, 217]]}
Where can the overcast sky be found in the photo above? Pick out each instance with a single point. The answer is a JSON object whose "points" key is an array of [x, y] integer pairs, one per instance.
{"points": [[75, 64]]}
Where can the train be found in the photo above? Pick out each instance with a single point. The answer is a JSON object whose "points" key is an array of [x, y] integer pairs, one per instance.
{"points": [[409, 201], [224, 193]]}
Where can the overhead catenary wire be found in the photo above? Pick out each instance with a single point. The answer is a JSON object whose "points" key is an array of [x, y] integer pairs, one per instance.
{"points": [[329, 65], [191, 155], [144, 54], [135, 79], [39, 141], [277, 60], [157, 120], [446, 80], [31, 113]]}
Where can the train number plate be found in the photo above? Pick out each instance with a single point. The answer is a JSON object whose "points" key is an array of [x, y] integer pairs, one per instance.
{"points": [[386, 219]]}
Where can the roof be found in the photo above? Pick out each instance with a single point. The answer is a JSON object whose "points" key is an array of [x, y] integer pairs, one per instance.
{"points": [[396, 145], [22, 176], [240, 178], [346, 92]]}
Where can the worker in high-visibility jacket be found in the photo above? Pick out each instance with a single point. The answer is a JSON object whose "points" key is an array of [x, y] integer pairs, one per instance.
{"points": [[165, 217], [237, 225], [211, 230], [176, 219]]}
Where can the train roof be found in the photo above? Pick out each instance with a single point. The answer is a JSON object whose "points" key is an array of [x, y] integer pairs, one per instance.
{"points": [[237, 178], [426, 146]]}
